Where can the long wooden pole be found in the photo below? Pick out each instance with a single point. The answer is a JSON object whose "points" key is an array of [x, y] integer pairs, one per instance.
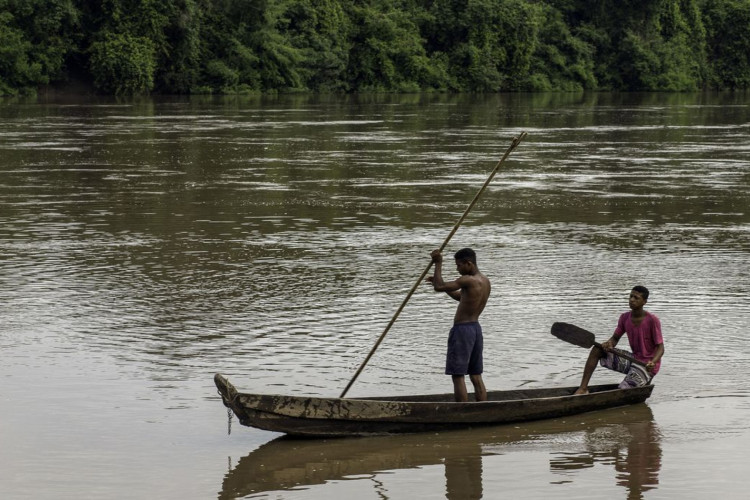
{"points": [[516, 141]]}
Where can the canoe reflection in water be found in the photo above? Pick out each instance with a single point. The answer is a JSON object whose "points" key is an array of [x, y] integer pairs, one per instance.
{"points": [[632, 446], [626, 437]]}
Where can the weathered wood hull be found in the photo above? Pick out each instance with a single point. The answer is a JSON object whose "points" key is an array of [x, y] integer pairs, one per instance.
{"points": [[337, 417]]}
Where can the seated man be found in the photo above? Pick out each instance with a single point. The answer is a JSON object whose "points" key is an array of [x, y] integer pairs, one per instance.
{"points": [[644, 336]]}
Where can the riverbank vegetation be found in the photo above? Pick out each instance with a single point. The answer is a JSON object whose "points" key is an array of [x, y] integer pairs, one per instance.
{"points": [[128, 47]]}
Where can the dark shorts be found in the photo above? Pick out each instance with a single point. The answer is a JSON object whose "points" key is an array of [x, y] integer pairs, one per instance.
{"points": [[464, 350], [635, 375]]}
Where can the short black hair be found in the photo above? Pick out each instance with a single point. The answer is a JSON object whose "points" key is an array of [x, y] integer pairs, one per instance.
{"points": [[642, 290], [466, 254]]}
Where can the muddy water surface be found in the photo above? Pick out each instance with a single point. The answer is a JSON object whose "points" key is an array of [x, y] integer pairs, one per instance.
{"points": [[146, 245]]}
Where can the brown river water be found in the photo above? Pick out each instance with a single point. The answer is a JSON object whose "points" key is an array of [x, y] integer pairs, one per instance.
{"points": [[146, 245]]}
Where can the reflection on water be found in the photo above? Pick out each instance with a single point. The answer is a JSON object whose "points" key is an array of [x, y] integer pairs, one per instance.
{"points": [[627, 439], [463, 477], [632, 448]]}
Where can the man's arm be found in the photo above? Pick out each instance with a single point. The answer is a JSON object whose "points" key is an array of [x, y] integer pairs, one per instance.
{"points": [[657, 356], [610, 344], [452, 288], [658, 340]]}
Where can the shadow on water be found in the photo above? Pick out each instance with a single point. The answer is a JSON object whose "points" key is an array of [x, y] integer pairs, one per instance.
{"points": [[626, 438]]}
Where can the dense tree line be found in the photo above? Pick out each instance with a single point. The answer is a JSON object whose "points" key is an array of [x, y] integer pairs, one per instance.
{"points": [[242, 46]]}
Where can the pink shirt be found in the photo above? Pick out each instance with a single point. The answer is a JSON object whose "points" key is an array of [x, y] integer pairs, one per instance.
{"points": [[643, 338]]}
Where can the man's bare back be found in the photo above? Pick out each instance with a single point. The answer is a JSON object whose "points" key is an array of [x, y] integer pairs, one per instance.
{"points": [[475, 290], [471, 289]]}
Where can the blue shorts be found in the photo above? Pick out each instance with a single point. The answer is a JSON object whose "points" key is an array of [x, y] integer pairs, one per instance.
{"points": [[465, 345], [635, 375]]}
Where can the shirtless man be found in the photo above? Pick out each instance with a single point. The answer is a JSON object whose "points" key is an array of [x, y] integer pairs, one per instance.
{"points": [[471, 290]]}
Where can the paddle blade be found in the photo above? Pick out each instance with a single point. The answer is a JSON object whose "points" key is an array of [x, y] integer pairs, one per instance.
{"points": [[573, 334]]}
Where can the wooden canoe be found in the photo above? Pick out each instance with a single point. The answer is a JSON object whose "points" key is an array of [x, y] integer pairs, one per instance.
{"points": [[336, 417]]}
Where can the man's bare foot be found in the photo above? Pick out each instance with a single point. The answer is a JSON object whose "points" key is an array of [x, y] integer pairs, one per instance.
{"points": [[580, 391]]}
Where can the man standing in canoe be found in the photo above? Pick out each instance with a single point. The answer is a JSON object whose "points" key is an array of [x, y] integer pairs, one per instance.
{"points": [[644, 336], [465, 343]]}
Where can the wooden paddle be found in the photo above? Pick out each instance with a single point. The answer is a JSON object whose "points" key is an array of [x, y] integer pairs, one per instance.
{"points": [[516, 141], [583, 338]]}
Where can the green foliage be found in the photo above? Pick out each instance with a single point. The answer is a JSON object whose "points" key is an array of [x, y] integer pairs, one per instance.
{"points": [[220, 76], [278, 61], [561, 61], [251, 39], [241, 46], [727, 26], [179, 46], [664, 53], [487, 44], [640, 44], [128, 44], [123, 64], [17, 72], [322, 31], [35, 39], [387, 51]]}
